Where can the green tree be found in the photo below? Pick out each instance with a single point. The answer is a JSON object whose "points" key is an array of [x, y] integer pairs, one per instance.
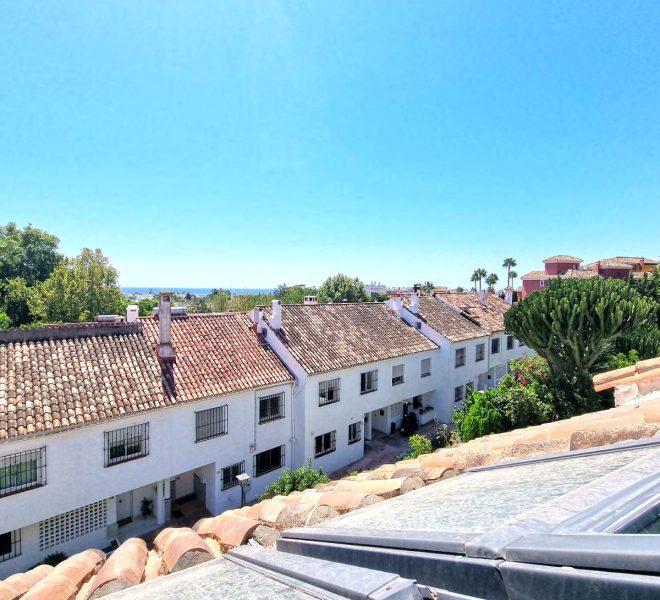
{"points": [[146, 306], [15, 293], [459, 289], [419, 444], [491, 280], [217, 301], [479, 416], [341, 288], [78, 289], [29, 253], [574, 322], [428, 287], [5, 322], [478, 275], [512, 277], [303, 478], [508, 264]]}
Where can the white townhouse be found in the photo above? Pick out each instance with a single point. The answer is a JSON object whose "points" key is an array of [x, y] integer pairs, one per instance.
{"points": [[475, 350], [358, 368], [99, 420]]}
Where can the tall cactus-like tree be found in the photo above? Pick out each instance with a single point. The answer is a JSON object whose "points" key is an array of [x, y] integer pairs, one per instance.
{"points": [[574, 322], [509, 263]]}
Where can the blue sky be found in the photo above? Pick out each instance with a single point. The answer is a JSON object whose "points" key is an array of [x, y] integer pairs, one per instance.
{"points": [[245, 144]]}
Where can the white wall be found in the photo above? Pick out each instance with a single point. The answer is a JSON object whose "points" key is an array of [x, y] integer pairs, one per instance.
{"points": [[76, 475], [353, 405]]}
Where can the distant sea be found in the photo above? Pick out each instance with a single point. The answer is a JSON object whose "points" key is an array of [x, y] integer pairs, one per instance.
{"points": [[128, 291]]}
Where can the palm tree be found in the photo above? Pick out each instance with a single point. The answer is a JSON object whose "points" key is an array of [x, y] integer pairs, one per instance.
{"points": [[509, 263], [476, 278], [491, 280], [428, 287], [512, 275], [482, 273]]}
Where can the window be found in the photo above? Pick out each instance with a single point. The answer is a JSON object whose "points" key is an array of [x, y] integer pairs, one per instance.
{"points": [[542, 283], [268, 461], [397, 374], [211, 423], [354, 432], [10, 544], [22, 471], [368, 382], [329, 391], [509, 342], [126, 444], [73, 524], [458, 394], [481, 352], [325, 444], [426, 367], [460, 357], [495, 346], [271, 408], [229, 475]]}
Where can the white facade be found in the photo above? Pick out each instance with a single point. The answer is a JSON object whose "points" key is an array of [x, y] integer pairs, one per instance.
{"points": [[76, 475]]}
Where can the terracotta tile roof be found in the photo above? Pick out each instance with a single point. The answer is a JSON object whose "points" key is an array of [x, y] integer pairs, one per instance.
{"points": [[69, 375], [217, 354], [562, 258], [449, 322], [327, 337], [88, 574], [579, 274], [635, 260], [645, 369], [536, 275], [50, 384], [609, 263], [489, 317]]}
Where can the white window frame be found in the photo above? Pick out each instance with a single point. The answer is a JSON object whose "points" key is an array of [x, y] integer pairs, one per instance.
{"points": [[14, 469], [459, 393], [368, 381], [354, 432], [463, 354], [398, 374], [425, 367], [330, 448], [481, 347]]}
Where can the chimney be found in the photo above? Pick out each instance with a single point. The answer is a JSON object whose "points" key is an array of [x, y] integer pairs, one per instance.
{"points": [[508, 295], [275, 320], [414, 304], [165, 348], [483, 294], [132, 312], [598, 267]]}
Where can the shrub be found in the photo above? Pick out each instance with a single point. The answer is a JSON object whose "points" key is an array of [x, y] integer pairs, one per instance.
{"points": [[442, 435], [55, 558], [524, 404], [481, 418], [5, 321], [301, 479], [619, 360], [419, 444]]}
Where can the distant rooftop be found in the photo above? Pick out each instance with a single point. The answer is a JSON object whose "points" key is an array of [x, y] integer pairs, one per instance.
{"points": [[562, 258]]}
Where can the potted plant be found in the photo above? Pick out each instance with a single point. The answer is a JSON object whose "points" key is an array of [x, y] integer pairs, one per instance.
{"points": [[146, 507]]}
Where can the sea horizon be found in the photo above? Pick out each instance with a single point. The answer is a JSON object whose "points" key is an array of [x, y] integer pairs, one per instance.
{"points": [[197, 291]]}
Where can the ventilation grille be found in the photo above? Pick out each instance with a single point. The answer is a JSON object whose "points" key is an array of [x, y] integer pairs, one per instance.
{"points": [[73, 524]]}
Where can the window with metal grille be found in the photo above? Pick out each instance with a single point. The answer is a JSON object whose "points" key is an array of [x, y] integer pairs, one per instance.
{"points": [[354, 432], [325, 444], [229, 475], [128, 443], [211, 423], [271, 408], [460, 357], [426, 367], [22, 471], [329, 391], [458, 393], [495, 346], [73, 524], [509, 342], [10, 545], [397, 374], [368, 381], [268, 461], [481, 352]]}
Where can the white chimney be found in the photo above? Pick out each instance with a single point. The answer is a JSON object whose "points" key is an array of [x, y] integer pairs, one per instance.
{"points": [[414, 304], [132, 312], [508, 295], [483, 294], [165, 348], [275, 320]]}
